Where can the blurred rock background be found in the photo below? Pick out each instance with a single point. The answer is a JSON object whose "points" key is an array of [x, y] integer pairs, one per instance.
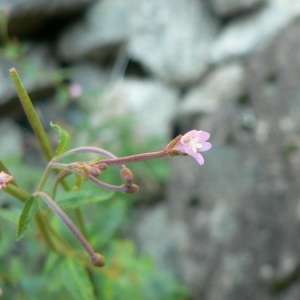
{"points": [[229, 229]]}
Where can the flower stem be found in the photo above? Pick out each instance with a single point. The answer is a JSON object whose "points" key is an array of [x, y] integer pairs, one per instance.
{"points": [[80, 150], [44, 178], [134, 158], [22, 195], [116, 188], [16, 192], [96, 258]]}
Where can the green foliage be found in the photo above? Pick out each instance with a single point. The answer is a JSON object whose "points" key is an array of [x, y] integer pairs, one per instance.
{"points": [[75, 199], [129, 276], [29, 270], [31, 207], [64, 140], [77, 280]]}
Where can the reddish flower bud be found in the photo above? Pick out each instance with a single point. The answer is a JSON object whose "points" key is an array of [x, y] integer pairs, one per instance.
{"points": [[131, 189], [5, 179], [102, 166], [94, 171], [127, 176]]}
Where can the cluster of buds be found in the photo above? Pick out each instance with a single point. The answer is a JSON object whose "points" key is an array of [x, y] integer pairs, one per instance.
{"points": [[192, 143]]}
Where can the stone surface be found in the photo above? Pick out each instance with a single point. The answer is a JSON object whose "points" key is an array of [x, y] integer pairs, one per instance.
{"points": [[92, 78], [27, 16], [171, 38], [244, 35], [105, 27], [220, 85], [227, 8], [240, 211], [154, 237], [31, 67], [10, 138], [150, 103]]}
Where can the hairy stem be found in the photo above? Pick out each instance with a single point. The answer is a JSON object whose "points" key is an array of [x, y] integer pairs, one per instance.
{"points": [[94, 256], [134, 158]]}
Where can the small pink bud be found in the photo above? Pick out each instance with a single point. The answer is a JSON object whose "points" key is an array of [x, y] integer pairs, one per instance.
{"points": [[5, 179], [127, 176]]}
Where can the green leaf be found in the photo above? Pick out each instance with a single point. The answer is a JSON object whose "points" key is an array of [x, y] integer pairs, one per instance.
{"points": [[75, 199], [30, 209], [107, 224], [64, 139], [77, 280], [11, 215], [32, 115]]}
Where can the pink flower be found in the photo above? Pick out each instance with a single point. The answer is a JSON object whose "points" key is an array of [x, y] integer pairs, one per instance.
{"points": [[192, 143], [4, 180], [75, 90]]}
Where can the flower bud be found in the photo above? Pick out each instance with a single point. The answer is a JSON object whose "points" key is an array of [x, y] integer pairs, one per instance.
{"points": [[98, 260], [131, 189], [102, 166], [5, 179], [94, 171], [127, 176]]}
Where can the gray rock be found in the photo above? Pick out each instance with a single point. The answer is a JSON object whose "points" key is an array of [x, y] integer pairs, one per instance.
{"points": [[243, 36], [105, 27], [241, 209], [10, 139], [152, 233], [150, 103], [91, 78], [226, 8], [27, 16], [170, 39], [222, 85], [31, 67]]}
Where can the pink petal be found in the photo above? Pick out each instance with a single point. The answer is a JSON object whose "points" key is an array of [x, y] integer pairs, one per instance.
{"points": [[192, 133], [203, 136], [206, 146], [199, 158]]}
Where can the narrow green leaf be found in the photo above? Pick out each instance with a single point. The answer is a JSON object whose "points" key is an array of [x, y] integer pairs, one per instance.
{"points": [[32, 115], [30, 209], [77, 280], [64, 139], [75, 199]]}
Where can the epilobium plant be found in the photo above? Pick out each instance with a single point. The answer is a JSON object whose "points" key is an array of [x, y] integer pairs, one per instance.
{"points": [[191, 143]]}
